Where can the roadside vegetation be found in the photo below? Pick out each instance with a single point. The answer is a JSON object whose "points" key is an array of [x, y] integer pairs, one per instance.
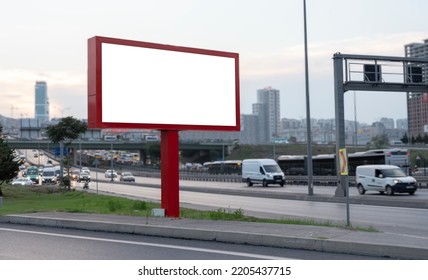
{"points": [[30, 199]]}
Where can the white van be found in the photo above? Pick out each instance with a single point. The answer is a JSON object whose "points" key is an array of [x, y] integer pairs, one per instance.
{"points": [[384, 178], [48, 176], [262, 171]]}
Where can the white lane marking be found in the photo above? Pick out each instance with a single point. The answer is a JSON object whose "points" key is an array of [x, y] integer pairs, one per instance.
{"points": [[258, 256], [405, 235]]}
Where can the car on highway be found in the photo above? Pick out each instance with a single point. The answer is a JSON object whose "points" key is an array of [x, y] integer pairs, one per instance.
{"points": [[74, 174], [127, 177], [33, 173], [84, 176], [48, 176], [109, 173], [23, 181], [384, 178], [421, 171], [86, 169], [57, 169], [262, 171]]}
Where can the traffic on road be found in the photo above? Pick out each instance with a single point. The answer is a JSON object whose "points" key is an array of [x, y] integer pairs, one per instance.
{"points": [[370, 209]]}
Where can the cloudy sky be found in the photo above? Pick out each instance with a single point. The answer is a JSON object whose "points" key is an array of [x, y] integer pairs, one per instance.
{"points": [[47, 40]]}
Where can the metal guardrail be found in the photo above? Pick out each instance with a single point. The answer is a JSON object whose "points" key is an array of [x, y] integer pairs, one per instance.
{"points": [[422, 181], [236, 178], [210, 177]]}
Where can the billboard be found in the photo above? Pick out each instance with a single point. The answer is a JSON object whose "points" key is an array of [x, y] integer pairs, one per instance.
{"points": [[133, 84]]}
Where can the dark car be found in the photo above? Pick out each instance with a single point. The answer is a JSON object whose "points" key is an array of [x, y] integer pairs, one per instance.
{"points": [[84, 176], [127, 177]]}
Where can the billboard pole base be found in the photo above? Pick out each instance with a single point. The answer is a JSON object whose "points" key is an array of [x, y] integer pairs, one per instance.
{"points": [[169, 173]]}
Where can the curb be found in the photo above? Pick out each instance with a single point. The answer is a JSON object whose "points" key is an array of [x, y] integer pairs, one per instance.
{"points": [[271, 240]]}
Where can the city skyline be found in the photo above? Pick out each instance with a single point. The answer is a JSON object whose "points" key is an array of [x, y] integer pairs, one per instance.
{"points": [[268, 35]]}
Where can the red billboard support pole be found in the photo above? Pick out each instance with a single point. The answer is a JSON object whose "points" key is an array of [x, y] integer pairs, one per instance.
{"points": [[169, 173]]}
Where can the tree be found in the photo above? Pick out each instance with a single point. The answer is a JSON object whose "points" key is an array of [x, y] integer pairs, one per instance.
{"points": [[9, 165], [405, 139], [67, 130], [292, 140], [419, 139], [379, 142], [425, 139]]}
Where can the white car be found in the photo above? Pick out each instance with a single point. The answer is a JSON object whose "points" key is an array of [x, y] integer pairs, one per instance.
{"points": [[23, 181], [127, 177], [109, 173], [384, 178], [85, 169]]}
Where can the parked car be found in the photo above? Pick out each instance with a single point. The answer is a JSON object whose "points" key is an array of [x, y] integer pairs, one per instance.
{"points": [[84, 176], [109, 173], [127, 177], [23, 181]]}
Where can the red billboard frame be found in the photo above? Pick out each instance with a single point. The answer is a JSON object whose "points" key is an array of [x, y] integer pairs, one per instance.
{"points": [[95, 97]]}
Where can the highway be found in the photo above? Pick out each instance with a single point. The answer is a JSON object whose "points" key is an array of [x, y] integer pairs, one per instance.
{"points": [[406, 221], [253, 201]]}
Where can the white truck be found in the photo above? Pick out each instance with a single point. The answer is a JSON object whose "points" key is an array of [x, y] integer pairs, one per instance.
{"points": [[262, 171], [384, 178]]}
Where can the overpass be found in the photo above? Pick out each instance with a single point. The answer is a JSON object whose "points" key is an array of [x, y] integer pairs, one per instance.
{"points": [[107, 145]]}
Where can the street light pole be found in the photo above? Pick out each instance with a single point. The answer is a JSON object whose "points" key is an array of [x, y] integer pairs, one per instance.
{"points": [[308, 113]]}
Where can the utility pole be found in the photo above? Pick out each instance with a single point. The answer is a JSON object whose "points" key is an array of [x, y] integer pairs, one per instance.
{"points": [[308, 109]]}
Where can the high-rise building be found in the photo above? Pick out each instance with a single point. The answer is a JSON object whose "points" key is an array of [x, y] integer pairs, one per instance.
{"points": [[402, 124], [41, 111], [260, 127], [268, 99], [417, 103], [388, 123]]}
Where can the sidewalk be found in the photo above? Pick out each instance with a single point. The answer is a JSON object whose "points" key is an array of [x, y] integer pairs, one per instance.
{"points": [[324, 239]]}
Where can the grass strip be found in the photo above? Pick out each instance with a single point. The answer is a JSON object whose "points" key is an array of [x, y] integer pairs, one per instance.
{"points": [[31, 199]]}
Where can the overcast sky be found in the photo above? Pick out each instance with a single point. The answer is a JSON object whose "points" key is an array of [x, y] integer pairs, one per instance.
{"points": [[47, 40]]}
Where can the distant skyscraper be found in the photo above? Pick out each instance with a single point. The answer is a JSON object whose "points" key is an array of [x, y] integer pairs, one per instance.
{"points": [[402, 124], [388, 123], [417, 103], [41, 111], [268, 99]]}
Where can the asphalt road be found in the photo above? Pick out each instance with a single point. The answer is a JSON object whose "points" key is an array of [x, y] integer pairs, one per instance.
{"points": [[270, 202], [406, 221], [40, 243]]}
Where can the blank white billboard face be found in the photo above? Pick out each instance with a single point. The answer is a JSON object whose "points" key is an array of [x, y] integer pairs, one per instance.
{"points": [[152, 87]]}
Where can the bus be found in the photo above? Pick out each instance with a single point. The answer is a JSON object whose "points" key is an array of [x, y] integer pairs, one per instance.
{"points": [[224, 167], [153, 138], [325, 165], [33, 174], [110, 137]]}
